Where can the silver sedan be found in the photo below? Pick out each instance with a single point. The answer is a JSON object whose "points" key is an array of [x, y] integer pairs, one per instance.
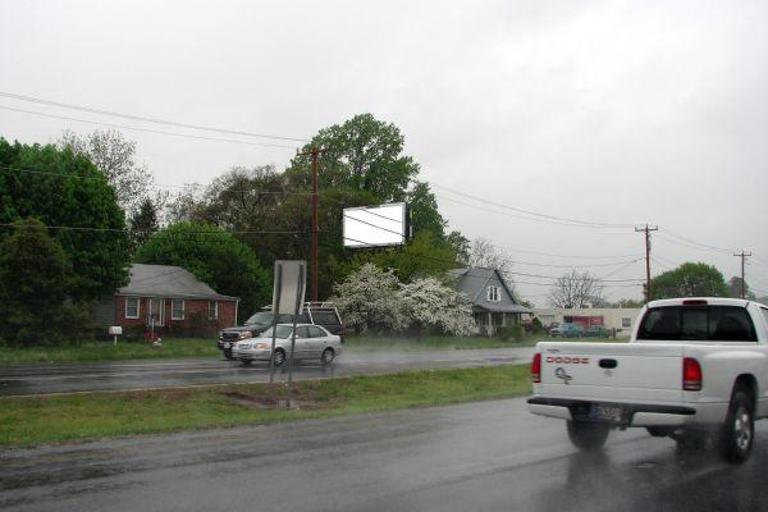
{"points": [[312, 342]]}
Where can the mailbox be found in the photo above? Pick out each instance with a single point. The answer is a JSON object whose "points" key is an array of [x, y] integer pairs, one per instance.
{"points": [[115, 330]]}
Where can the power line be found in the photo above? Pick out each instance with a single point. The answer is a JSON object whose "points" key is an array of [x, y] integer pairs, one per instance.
{"points": [[683, 242], [148, 130], [616, 271], [128, 231], [543, 216], [102, 178], [693, 242], [41, 101], [594, 265]]}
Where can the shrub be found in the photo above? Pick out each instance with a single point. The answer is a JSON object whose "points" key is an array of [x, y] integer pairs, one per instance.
{"points": [[511, 333]]}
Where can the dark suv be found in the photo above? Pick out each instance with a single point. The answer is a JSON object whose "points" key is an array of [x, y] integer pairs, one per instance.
{"points": [[323, 314]]}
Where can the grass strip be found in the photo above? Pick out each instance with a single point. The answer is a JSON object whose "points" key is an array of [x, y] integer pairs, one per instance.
{"points": [[107, 351], [29, 421]]}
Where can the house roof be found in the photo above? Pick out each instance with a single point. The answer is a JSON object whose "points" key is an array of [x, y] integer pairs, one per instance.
{"points": [[472, 281], [168, 281]]}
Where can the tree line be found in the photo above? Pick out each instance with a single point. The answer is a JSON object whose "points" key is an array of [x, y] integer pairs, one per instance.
{"points": [[78, 212]]}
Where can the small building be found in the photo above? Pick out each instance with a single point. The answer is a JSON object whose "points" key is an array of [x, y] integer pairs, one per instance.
{"points": [[166, 300], [621, 319], [493, 304]]}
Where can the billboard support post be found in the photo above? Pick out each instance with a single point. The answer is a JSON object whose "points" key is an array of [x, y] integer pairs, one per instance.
{"points": [[290, 285], [297, 311], [278, 289]]}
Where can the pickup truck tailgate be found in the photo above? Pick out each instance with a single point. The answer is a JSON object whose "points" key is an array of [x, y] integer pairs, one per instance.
{"points": [[619, 372]]}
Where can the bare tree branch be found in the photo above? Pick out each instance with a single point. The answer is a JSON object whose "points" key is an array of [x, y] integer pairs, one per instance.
{"points": [[576, 290]]}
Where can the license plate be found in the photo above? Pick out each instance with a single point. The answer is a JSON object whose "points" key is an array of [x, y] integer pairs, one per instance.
{"points": [[609, 413]]}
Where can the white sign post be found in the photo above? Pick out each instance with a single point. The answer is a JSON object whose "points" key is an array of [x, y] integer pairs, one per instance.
{"points": [[290, 285]]}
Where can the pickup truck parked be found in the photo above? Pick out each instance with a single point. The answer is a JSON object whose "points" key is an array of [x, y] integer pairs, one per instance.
{"points": [[695, 370]]}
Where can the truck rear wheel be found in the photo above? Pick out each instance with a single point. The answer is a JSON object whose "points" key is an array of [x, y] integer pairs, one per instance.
{"points": [[586, 435], [738, 432]]}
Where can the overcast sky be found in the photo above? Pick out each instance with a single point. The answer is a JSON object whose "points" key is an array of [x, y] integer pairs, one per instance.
{"points": [[608, 112]]}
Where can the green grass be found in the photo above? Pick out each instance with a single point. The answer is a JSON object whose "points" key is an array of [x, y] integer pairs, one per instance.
{"points": [[34, 420], [106, 351]]}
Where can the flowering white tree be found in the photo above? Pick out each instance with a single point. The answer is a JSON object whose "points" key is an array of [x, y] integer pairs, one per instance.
{"points": [[368, 300], [430, 304]]}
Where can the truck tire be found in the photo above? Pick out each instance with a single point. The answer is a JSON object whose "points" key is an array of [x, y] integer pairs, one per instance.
{"points": [[738, 432], [586, 435]]}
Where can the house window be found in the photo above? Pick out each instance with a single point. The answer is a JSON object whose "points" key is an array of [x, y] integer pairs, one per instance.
{"points": [[213, 310], [177, 310], [493, 293], [626, 322], [131, 307]]}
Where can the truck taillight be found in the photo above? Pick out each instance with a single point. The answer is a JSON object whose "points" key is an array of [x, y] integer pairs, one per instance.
{"points": [[692, 377], [536, 368]]}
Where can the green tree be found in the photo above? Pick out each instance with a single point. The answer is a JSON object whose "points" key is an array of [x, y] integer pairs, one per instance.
{"points": [[363, 154], [424, 214], [423, 256], [690, 280], [143, 223], [35, 276], [461, 246], [215, 257], [361, 164], [65, 191]]}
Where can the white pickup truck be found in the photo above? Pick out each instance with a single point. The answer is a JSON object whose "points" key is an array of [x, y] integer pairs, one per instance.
{"points": [[695, 370]]}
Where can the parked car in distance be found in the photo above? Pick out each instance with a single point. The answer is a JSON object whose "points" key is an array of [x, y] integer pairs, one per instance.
{"points": [[552, 326], [312, 342], [323, 314], [567, 330], [596, 331]]}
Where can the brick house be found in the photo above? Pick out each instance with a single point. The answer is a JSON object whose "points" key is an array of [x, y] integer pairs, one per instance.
{"points": [[169, 299]]}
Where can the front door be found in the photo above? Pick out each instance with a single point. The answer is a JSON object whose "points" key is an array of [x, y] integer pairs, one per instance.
{"points": [[156, 313]]}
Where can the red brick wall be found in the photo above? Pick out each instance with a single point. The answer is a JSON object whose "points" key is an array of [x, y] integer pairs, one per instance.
{"points": [[195, 322]]}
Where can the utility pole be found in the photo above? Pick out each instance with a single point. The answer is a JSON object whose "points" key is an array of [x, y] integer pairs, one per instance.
{"points": [[647, 230], [314, 152], [743, 255]]}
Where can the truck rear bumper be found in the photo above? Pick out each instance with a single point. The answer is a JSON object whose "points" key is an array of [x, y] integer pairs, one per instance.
{"points": [[634, 415]]}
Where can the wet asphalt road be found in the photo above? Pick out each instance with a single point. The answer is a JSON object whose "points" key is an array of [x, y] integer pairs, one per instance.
{"points": [[474, 457], [31, 379]]}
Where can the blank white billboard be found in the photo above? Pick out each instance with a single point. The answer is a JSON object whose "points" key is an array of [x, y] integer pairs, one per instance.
{"points": [[375, 226]]}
